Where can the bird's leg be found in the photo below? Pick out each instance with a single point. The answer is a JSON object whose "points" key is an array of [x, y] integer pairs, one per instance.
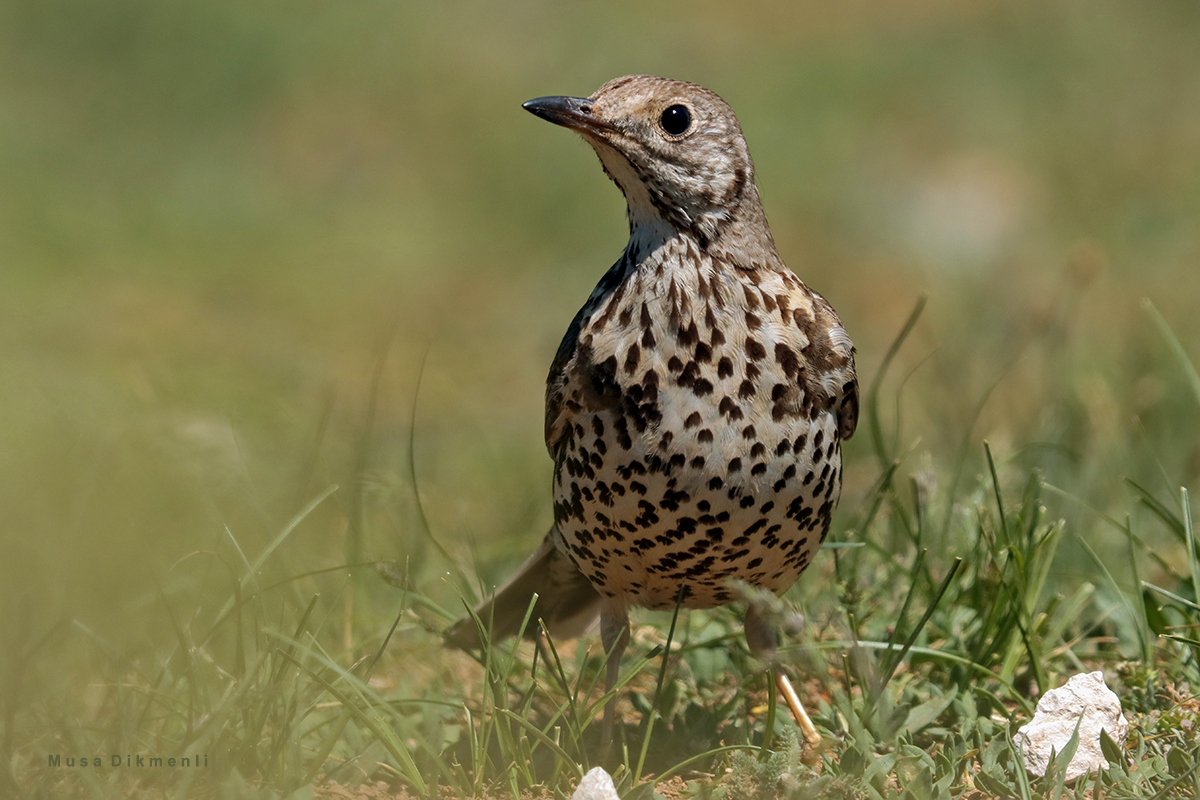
{"points": [[763, 639], [614, 634]]}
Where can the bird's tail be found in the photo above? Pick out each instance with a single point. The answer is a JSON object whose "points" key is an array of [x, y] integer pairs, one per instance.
{"points": [[566, 601]]}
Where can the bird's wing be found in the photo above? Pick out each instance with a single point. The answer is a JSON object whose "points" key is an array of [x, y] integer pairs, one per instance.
{"points": [[846, 396], [573, 372], [557, 412], [827, 353]]}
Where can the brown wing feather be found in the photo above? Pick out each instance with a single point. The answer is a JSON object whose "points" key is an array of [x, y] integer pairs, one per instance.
{"points": [[848, 410], [573, 356], [556, 382], [828, 372]]}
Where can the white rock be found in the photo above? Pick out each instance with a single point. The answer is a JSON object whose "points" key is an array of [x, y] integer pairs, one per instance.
{"points": [[596, 785], [1083, 700]]}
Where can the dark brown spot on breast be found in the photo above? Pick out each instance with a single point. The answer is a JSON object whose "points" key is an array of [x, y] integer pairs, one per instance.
{"points": [[703, 353], [752, 321], [754, 349], [787, 359], [693, 420], [730, 408], [787, 401], [621, 425], [724, 368], [754, 528], [705, 435], [781, 300], [745, 390], [750, 294], [632, 356], [689, 374], [688, 336]]}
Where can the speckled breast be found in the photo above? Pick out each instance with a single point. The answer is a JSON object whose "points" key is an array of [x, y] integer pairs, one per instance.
{"points": [[699, 436]]}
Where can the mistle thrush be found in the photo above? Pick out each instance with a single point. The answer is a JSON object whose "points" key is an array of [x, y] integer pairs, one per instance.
{"points": [[696, 407]]}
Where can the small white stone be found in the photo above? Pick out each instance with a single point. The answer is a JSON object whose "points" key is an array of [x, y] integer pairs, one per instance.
{"points": [[1085, 701], [596, 785]]}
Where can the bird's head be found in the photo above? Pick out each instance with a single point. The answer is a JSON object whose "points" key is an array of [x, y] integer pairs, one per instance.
{"points": [[675, 149]]}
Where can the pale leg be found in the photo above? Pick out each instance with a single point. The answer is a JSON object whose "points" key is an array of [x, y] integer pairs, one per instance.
{"points": [[762, 638], [614, 634]]}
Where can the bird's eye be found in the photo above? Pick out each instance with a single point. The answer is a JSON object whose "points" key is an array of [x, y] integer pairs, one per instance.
{"points": [[676, 120]]}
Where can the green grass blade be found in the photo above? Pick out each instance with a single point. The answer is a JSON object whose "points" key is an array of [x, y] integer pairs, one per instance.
{"points": [[1177, 350], [874, 420], [653, 712], [541, 736], [1190, 538]]}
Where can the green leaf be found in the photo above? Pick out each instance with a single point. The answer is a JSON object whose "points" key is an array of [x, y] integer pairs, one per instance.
{"points": [[993, 786], [1154, 615], [928, 712], [1111, 750], [1178, 762]]}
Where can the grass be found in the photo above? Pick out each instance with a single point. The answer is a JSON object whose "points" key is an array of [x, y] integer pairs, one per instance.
{"points": [[921, 660], [279, 286]]}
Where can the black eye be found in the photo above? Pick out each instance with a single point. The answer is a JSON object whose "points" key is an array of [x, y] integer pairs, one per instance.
{"points": [[676, 119]]}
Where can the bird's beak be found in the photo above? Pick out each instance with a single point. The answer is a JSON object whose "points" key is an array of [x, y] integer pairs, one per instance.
{"points": [[570, 112]]}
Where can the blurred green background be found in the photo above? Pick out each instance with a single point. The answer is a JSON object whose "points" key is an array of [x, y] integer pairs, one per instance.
{"points": [[234, 237]]}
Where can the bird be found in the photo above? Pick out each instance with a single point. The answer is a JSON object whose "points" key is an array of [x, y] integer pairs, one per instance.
{"points": [[697, 405]]}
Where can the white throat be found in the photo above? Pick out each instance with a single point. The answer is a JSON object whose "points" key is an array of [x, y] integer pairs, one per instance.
{"points": [[648, 231]]}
